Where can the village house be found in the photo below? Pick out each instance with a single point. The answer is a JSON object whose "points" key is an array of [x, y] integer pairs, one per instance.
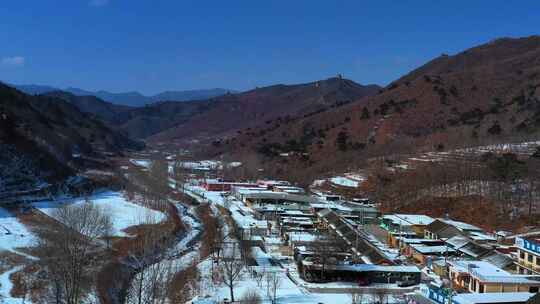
{"points": [[446, 228], [439, 293], [406, 222], [441, 230], [404, 226], [528, 255], [421, 254], [213, 185], [405, 244], [484, 277]]}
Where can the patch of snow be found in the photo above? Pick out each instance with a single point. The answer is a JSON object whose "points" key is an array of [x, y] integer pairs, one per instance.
{"points": [[6, 285], [123, 213], [235, 164], [13, 234], [318, 182], [344, 181], [145, 163]]}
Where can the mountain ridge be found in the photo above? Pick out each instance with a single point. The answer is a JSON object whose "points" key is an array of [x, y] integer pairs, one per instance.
{"points": [[233, 112], [132, 98], [485, 94], [54, 135], [174, 120]]}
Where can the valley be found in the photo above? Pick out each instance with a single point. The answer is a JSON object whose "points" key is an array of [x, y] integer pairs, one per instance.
{"points": [[426, 190]]}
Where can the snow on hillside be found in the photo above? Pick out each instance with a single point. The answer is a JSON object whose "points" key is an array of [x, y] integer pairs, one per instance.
{"points": [[520, 148], [124, 213], [344, 181], [523, 148], [209, 164], [145, 163], [6, 285], [13, 234]]}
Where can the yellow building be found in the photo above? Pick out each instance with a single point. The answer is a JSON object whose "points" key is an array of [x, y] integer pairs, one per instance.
{"points": [[528, 255], [484, 277]]}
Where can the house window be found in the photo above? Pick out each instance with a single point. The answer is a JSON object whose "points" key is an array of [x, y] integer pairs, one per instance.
{"points": [[521, 255], [533, 289], [530, 258], [481, 288]]}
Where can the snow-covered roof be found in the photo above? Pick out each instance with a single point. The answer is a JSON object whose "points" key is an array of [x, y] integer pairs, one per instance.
{"points": [[480, 236], [409, 219], [331, 205], [294, 212], [432, 249], [250, 190], [282, 196], [474, 250], [370, 267], [461, 225], [487, 272], [302, 221], [458, 241], [416, 240], [499, 260], [273, 182], [303, 237], [492, 297]]}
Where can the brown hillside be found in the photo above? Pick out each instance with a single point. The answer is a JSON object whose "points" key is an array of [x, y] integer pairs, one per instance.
{"points": [[52, 134], [482, 95], [232, 112]]}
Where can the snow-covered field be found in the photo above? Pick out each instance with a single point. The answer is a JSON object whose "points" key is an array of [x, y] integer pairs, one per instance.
{"points": [[13, 234], [123, 213]]}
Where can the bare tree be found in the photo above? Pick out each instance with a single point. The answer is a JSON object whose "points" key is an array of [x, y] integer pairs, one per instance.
{"points": [[251, 297], [324, 248], [26, 283], [231, 268], [358, 296], [260, 275], [381, 294], [273, 282], [180, 174], [70, 249], [152, 277], [159, 177], [185, 284]]}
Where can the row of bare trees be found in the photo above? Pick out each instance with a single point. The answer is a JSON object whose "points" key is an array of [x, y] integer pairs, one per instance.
{"points": [[374, 295], [71, 251]]}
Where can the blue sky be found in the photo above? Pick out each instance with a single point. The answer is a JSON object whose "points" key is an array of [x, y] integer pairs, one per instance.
{"points": [[156, 45]]}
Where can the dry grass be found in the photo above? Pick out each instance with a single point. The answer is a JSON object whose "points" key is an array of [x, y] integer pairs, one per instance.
{"points": [[8, 260], [115, 276]]}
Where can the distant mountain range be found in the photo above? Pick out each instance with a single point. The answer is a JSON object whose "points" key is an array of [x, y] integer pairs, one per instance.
{"points": [[133, 99], [219, 115]]}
